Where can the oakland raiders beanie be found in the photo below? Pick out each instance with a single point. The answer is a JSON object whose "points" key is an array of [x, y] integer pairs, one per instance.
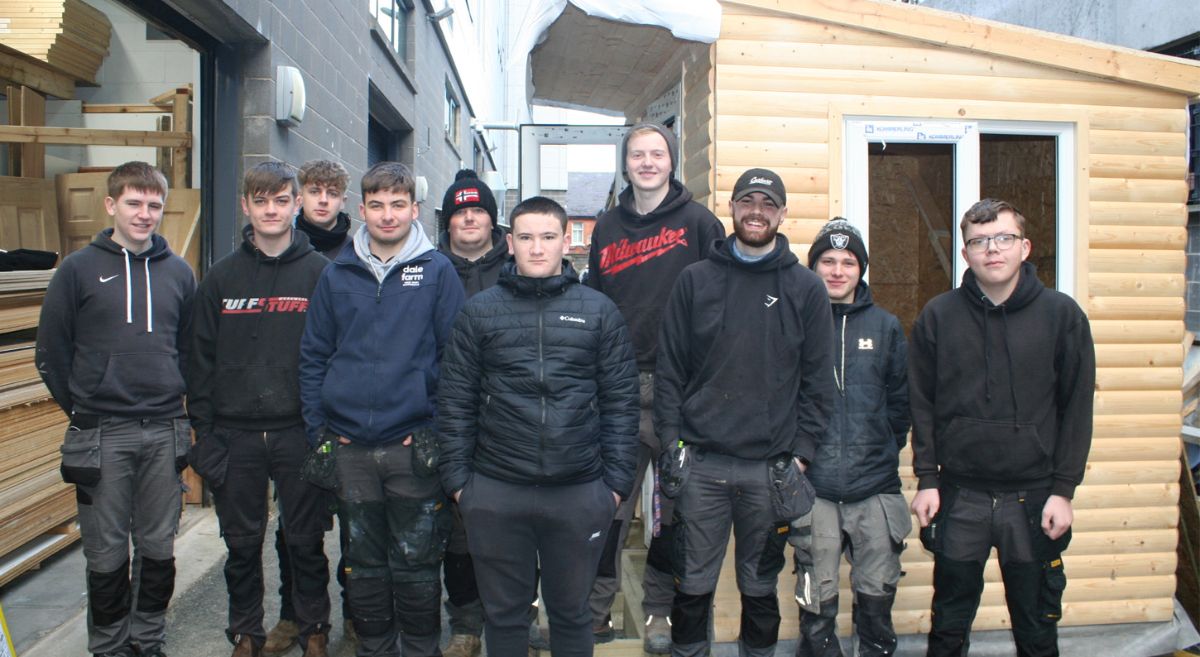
{"points": [[838, 233]]}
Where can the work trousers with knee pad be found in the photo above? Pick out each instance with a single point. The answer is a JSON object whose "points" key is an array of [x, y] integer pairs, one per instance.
{"points": [[968, 524], [658, 587], [255, 459], [513, 528], [287, 609], [870, 533], [724, 492], [138, 496], [399, 522]]}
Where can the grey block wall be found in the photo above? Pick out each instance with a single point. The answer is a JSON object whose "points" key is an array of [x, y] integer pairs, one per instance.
{"points": [[341, 56]]}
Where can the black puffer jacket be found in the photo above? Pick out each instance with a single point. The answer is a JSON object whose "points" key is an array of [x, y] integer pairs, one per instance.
{"points": [[539, 386], [859, 454]]}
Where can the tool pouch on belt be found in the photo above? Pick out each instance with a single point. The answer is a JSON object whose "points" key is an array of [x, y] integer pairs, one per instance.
{"points": [[81, 451], [1048, 552], [320, 466], [209, 457], [933, 534], [426, 452], [673, 467], [791, 494]]}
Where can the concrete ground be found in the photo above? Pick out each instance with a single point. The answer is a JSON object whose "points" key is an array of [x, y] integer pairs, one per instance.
{"points": [[45, 608]]}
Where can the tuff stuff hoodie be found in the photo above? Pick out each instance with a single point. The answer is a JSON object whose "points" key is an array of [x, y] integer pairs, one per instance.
{"points": [[745, 363], [1001, 395], [111, 338], [249, 315]]}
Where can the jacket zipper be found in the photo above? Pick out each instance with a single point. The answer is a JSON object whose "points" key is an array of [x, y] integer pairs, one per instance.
{"points": [[542, 389]]}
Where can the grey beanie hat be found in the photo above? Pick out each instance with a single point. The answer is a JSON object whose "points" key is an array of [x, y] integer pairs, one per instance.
{"points": [[667, 134]]}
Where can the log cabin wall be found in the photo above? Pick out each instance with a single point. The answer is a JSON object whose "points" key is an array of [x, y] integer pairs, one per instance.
{"points": [[781, 85]]}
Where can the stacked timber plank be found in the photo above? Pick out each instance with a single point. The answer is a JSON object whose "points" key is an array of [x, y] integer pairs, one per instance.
{"points": [[34, 502], [70, 35]]}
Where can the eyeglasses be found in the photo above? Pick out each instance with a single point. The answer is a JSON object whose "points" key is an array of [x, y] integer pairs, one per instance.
{"points": [[1003, 242]]}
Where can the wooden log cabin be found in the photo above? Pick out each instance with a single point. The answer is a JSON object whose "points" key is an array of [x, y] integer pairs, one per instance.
{"points": [[898, 117]]}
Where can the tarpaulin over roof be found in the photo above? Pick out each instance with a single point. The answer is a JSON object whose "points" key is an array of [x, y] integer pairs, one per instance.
{"points": [[600, 54]]}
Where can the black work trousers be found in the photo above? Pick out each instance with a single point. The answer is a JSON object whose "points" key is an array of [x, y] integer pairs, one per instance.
{"points": [[399, 522], [241, 500], [969, 523]]}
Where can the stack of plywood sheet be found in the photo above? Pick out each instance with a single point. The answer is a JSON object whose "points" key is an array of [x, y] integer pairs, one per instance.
{"points": [[70, 35], [36, 507]]}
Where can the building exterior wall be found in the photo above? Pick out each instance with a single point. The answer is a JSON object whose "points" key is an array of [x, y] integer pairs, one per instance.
{"points": [[1130, 229], [343, 56]]}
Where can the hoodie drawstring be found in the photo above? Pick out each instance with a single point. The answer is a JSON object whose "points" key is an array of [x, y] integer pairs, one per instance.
{"points": [[987, 354], [841, 381], [149, 298], [128, 290]]}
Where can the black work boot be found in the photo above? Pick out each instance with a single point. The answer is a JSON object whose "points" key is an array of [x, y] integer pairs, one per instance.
{"points": [[818, 632]]}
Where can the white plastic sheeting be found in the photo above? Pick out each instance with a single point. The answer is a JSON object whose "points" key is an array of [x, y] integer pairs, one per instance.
{"points": [[691, 20]]}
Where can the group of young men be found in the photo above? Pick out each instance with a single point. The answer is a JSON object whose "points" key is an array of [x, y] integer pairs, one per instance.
{"points": [[473, 411]]}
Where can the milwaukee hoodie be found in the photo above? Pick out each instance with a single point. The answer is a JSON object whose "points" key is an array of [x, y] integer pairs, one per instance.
{"points": [[111, 338], [635, 258], [1001, 395], [745, 362], [249, 315]]}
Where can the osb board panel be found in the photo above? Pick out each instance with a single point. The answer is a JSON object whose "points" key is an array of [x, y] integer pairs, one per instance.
{"points": [[1131, 140], [28, 214]]}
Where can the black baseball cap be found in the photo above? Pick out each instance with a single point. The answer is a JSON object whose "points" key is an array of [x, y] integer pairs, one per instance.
{"points": [[761, 180]]}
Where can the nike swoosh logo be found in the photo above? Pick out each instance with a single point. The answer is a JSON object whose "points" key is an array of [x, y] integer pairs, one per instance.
{"points": [[105, 280]]}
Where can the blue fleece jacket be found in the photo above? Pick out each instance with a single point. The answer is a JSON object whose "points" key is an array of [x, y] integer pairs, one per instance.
{"points": [[370, 352]]}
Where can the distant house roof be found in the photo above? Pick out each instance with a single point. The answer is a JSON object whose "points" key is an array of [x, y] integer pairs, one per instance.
{"points": [[587, 193]]}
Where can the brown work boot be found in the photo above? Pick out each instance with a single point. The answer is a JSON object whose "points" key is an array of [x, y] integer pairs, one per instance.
{"points": [[462, 645], [316, 646], [244, 647], [281, 637], [349, 634]]}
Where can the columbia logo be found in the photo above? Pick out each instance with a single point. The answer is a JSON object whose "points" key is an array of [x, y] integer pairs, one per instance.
{"points": [[568, 318], [760, 181]]}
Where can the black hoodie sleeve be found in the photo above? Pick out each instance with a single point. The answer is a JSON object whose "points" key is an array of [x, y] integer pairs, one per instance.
{"points": [[710, 231], [55, 350], [815, 401], [673, 364], [459, 388], [1076, 389], [619, 402], [202, 356], [897, 384], [592, 280], [922, 378]]}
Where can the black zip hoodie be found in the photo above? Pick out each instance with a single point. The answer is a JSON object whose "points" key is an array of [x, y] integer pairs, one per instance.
{"points": [[478, 275], [249, 316], [1001, 395], [327, 242], [635, 258], [112, 335], [745, 362]]}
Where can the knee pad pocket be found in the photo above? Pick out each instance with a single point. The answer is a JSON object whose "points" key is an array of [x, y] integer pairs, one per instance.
{"points": [[760, 621], [689, 617], [157, 584], [109, 595]]}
